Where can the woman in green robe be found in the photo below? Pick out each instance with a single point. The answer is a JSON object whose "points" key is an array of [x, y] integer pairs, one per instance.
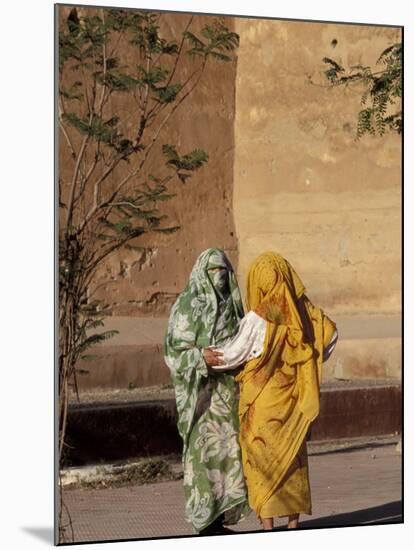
{"points": [[207, 313]]}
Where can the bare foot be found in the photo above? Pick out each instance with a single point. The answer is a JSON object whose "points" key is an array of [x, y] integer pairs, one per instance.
{"points": [[293, 522], [267, 523]]}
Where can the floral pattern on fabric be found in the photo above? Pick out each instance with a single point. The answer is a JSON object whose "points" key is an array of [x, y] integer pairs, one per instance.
{"points": [[206, 313]]}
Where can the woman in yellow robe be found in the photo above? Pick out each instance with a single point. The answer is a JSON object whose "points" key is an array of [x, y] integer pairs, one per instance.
{"points": [[279, 391]]}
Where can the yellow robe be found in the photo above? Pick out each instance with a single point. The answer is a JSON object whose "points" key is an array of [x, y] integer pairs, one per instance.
{"points": [[279, 391]]}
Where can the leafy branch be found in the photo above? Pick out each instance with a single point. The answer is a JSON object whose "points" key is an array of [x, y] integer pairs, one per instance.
{"points": [[381, 98]]}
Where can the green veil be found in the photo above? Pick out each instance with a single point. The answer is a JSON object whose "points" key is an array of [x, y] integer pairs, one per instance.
{"points": [[207, 405]]}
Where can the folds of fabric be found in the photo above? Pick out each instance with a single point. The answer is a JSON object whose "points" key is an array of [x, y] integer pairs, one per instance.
{"points": [[279, 391], [207, 406]]}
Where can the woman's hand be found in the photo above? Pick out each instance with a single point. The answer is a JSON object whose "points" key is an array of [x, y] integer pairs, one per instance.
{"points": [[212, 357]]}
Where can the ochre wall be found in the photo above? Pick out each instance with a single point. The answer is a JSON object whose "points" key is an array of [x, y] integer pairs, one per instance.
{"points": [[147, 283], [285, 173], [303, 186]]}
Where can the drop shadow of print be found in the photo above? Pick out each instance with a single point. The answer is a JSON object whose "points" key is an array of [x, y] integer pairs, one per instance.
{"points": [[42, 533]]}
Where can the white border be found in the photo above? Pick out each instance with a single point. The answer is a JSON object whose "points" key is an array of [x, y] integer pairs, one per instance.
{"points": [[27, 267]]}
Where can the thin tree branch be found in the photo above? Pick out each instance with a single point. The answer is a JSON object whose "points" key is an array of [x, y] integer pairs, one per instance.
{"points": [[119, 244], [101, 102], [172, 111], [158, 108], [154, 111], [86, 177], [350, 78], [141, 125], [63, 129], [120, 35], [62, 111], [124, 203], [179, 51], [75, 177], [86, 94], [132, 174], [62, 507]]}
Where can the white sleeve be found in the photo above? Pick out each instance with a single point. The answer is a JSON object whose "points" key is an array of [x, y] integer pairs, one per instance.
{"points": [[247, 344], [330, 347]]}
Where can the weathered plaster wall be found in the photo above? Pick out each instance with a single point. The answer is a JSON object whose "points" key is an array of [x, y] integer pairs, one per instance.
{"points": [[302, 185], [147, 283], [285, 173]]}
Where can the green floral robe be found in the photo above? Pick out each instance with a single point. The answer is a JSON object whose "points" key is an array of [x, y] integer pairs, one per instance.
{"points": [[207, 404]]}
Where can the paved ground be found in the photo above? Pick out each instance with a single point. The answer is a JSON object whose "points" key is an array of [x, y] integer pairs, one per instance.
{"points": [[348, 488]]}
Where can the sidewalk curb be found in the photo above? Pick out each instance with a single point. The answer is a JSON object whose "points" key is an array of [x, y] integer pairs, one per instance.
{"points": [[134, 472], [111, 431]]}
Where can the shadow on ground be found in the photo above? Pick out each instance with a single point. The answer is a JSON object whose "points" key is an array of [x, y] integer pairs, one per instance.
{"points": [[386, 513]]}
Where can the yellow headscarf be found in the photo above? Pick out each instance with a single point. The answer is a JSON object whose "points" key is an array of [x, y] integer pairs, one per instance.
{"points": [[268, 274], [288, 371]]}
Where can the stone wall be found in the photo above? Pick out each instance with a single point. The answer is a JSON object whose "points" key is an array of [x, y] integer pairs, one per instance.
{"points": [[147, 283], [285, 173], [303, 185]]}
